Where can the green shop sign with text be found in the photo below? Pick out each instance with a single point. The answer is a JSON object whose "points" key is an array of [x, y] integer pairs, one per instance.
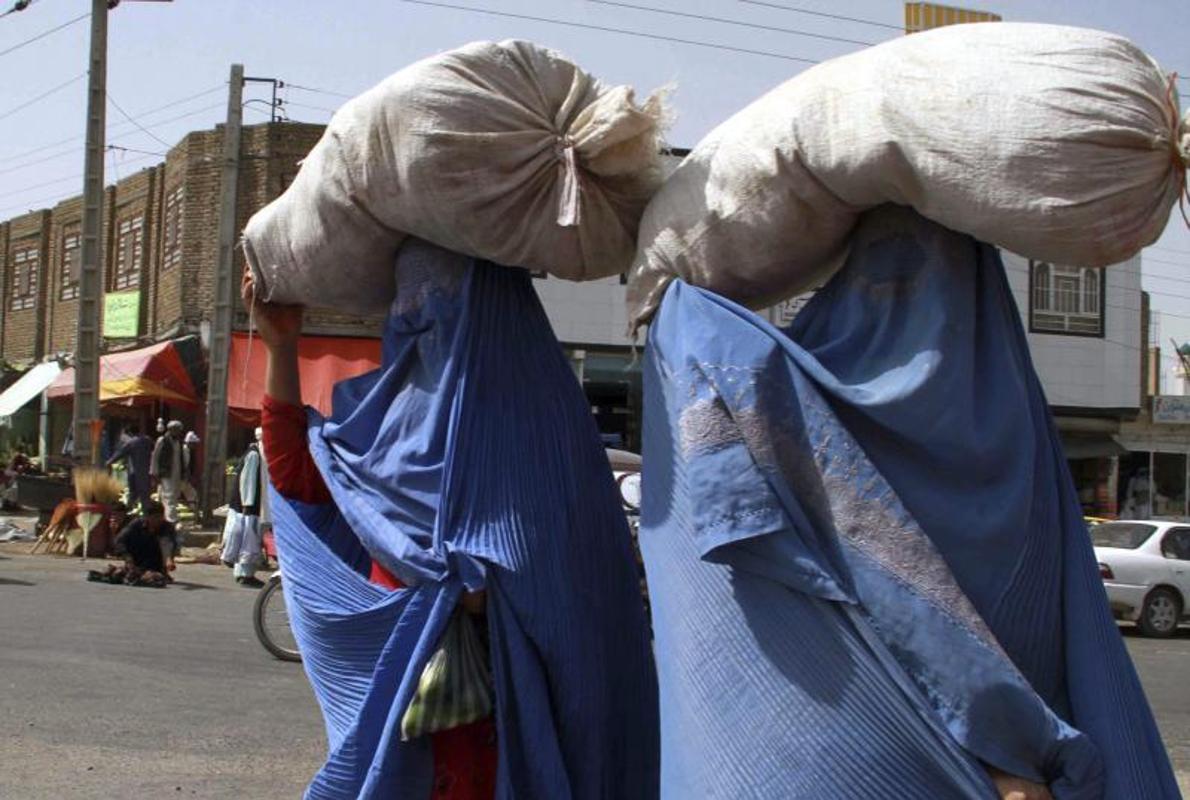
{"points": [[121, 314]]}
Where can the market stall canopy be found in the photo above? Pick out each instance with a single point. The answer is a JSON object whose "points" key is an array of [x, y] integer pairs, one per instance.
{"points": [[28, 386], [137, 376], [322, 360]]}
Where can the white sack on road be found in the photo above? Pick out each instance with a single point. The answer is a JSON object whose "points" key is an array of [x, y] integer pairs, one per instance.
{"points": [[506, 152], [1060, 144]]}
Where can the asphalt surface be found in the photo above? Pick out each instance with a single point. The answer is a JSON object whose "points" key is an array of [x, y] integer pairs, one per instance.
{"points": [[114, 691]]}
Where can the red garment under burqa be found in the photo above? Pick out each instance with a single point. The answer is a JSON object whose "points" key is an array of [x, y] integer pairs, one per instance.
{"points": [[464, 757]]}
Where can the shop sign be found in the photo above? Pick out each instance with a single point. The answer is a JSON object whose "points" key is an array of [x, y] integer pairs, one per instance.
{"points": [[121, 314], [1171, 409]]}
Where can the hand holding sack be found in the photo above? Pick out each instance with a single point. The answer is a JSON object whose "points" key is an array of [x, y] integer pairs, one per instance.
{"points": [[506, 152], [1060, 144]]}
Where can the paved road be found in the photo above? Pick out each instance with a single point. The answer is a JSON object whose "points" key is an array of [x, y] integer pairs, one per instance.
{"points": [[112, 691]]}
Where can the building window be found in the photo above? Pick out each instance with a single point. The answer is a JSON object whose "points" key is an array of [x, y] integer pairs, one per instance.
{"points": [[1066, 300], [129, 251], [172, 248], [71, 264], [25, 264]]}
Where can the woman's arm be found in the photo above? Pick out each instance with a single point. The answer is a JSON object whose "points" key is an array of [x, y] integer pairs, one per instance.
{"points": [[292, 471]]}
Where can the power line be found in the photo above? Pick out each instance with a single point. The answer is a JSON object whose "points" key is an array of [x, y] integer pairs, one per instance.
{"points": [[118, 148], [113, 129], [19, 5], [42, 96], [1168, 249], [605, 29], [31, 204], [812, 13], [44, 34], [725, 21], [41, 185], [307, 105], [140, 127], [288, 85], [75, 150]]}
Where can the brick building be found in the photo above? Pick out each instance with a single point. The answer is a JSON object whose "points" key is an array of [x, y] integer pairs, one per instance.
{"points": [[159, 252]]}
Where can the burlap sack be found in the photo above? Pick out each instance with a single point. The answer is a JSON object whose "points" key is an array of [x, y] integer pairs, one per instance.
{"points": [[505, 151], [1060, 144]]}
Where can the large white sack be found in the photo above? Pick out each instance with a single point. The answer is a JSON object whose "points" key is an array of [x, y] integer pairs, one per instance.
{"points": [[506, 152], [1060, 144]]}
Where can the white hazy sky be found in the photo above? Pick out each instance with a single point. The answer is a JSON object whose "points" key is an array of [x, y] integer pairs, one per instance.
{"points": [[178, 54]]}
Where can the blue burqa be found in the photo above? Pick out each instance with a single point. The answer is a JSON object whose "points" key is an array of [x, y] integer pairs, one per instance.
{"points": [[868, 569], [470, 460]]}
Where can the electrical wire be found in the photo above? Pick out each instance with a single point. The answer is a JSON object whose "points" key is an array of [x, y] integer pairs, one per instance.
{"points": [[606, 29], [76, 150], [32, 204], [112, 130], [307, 105], [140, 127], [825, 14], [288, 85], [19, 5], [739, 23], [42, 96], [118, 148], [43, 34]]}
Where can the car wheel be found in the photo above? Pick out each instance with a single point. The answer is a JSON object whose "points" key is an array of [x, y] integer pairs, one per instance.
{"points": [[1160, 614]]}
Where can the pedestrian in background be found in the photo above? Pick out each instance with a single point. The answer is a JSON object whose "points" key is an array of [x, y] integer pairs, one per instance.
{"points": [[135, 451], [191, 470], [166, 467], [242, 532]]}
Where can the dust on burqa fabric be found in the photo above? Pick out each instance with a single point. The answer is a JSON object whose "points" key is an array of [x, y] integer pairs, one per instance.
{"points": [[470, 458], [868, 567]]}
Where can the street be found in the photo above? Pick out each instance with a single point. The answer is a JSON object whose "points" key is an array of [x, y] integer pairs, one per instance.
{"points": [[130, 692], [116, 691]]}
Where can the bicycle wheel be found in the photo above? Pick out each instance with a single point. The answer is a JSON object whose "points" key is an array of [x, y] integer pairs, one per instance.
{"points": [[270, 618]]}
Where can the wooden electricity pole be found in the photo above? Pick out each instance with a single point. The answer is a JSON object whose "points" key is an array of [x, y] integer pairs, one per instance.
{"points": [[215, 453], [86, 350]]}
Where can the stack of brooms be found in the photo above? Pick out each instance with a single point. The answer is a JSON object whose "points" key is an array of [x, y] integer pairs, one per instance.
{"points": [[95, 490]]}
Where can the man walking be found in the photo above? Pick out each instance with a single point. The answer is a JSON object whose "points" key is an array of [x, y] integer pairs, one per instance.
{"points": [[136, 450], [242, 533], [166, 467], [191, 469]]}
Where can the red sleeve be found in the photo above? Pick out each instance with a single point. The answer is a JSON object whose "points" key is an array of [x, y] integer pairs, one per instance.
{"points": [[291, 468]]}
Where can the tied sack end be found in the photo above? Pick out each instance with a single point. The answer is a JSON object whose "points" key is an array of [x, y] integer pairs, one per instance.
{"points": [[502, 151]]}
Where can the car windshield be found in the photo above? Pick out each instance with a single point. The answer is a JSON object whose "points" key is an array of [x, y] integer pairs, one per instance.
{"points": [[1124, 535]]}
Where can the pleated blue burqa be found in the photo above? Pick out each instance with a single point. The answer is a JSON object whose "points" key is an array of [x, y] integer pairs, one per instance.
{"points": [[470, 460], [868, 569]]}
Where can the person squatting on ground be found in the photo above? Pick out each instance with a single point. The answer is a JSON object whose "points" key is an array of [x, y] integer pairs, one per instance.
{"points": [[142, 543]]}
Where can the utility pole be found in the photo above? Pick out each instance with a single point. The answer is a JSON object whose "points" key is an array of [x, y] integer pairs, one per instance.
{"points": [[215, 453], [86, 352], [89, 335]]}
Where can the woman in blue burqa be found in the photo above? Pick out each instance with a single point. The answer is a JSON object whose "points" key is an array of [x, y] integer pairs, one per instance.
{"points": [[466, 471], [868, 569]]}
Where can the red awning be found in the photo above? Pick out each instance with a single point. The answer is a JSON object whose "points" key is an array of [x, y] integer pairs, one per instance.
{"points": [[322, 360], [137, 376]]}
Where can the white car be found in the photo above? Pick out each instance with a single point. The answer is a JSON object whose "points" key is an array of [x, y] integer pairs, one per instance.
{"points": [[1145, 566]]}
